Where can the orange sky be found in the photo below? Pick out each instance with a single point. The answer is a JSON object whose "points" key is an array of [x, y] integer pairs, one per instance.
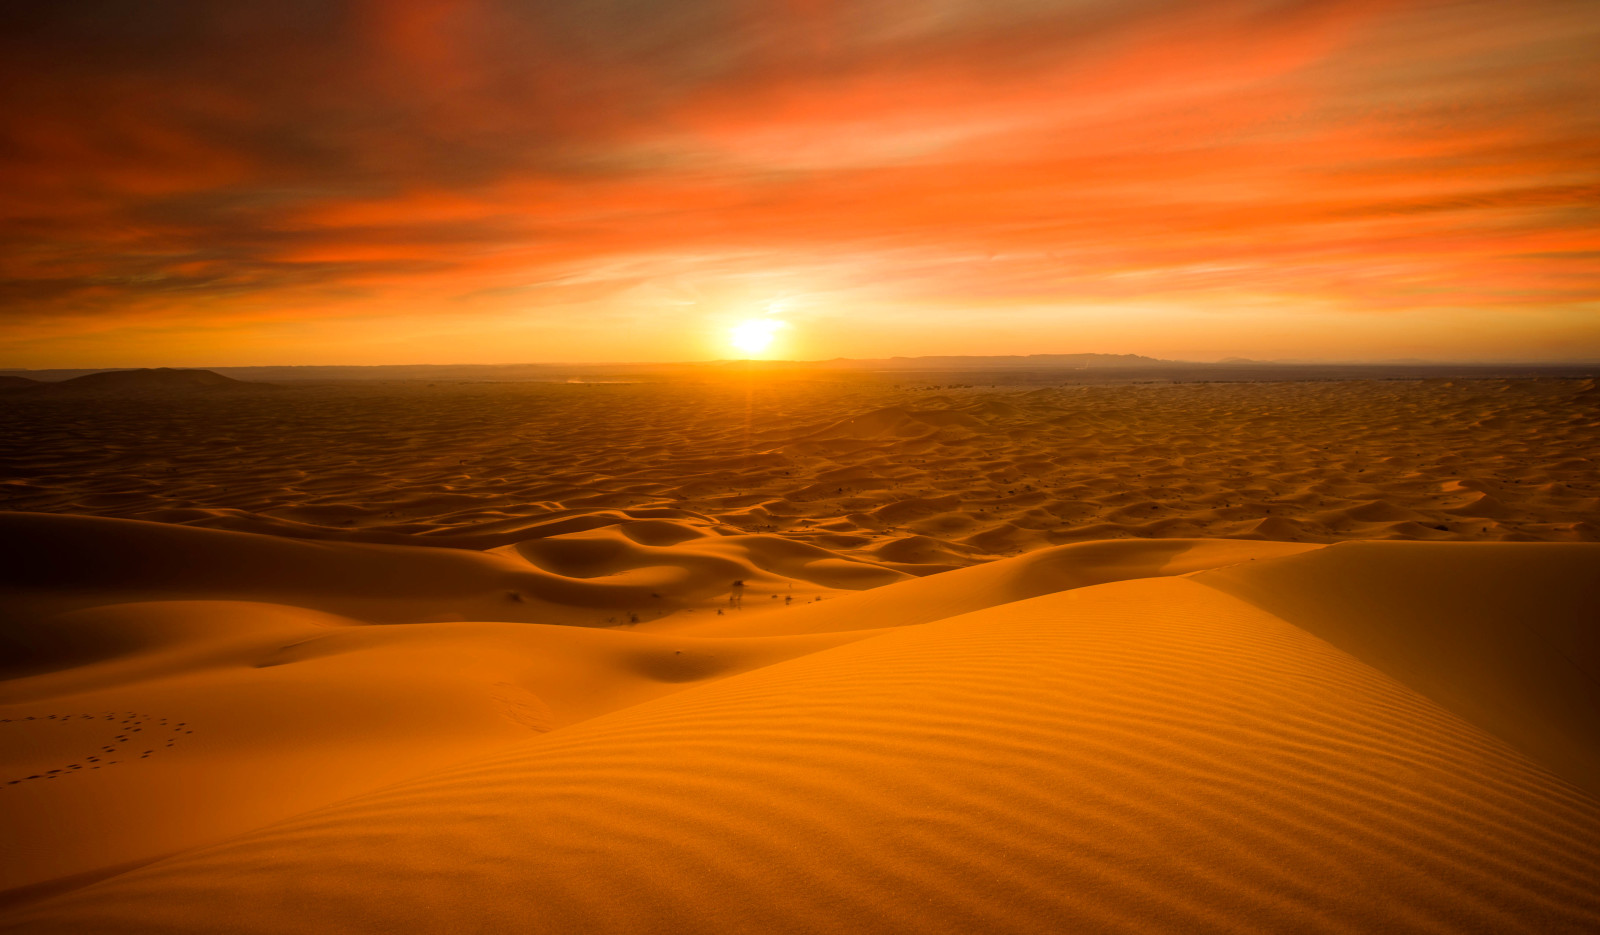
{"points": [[194, 183]]}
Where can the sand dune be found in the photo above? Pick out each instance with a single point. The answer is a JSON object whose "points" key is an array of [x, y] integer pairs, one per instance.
{"points": [[1065, 740], [263, 644], [960, 476], [774, 668], [968, 589], [1453, 621], [593, 578]]}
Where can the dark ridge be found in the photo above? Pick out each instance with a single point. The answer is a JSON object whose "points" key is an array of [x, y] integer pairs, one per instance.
{"points": [[157, 380], [1000, 362]]}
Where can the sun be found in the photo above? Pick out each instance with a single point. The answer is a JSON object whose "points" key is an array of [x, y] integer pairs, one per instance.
{"points": [[754, 335]]}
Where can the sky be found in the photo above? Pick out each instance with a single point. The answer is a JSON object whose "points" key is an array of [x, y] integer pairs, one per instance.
{"points": [[193, 183]]}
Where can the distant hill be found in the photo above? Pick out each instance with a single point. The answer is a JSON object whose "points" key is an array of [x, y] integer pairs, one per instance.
{"points": [[12, 384], [157, 380], [165, 378]]}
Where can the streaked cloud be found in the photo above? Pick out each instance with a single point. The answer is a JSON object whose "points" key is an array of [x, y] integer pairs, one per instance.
{"points": [[187, 178]]}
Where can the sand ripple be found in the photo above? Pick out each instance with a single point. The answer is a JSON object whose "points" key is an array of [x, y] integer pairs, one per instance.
{"points": [[970, 474], [1137, 756]]}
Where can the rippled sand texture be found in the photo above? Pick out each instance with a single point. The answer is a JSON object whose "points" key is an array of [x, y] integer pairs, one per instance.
{"points": [[919, 479], [219, 731]]}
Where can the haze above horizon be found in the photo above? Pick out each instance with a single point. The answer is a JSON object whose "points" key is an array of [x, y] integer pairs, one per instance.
{"points": [[473, 181], [1118, 367]]}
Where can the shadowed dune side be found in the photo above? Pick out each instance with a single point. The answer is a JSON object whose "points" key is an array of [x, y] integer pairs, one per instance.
{"points": [[64, 563], [711, 563], [1507, 636], [481, 535], [1135, 756], [95, 554], [60, 564]]}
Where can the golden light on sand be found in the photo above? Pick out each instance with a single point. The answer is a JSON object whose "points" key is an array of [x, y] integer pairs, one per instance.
{"points": [[754, 336]]}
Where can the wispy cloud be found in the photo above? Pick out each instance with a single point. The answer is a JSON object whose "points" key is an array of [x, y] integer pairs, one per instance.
{"points": [[229, 168]]}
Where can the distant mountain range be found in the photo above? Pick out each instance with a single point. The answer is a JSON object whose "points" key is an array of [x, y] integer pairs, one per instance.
{"points": [[1007, 362]]}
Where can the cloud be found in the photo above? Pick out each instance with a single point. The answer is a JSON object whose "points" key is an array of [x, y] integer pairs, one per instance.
{"points": [[185, 163]]}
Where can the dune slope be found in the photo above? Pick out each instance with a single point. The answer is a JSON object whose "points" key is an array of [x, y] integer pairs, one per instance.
{"points": [[1142, 755], [205, 729], [591, 578], [1505, 635], [166, 686]]}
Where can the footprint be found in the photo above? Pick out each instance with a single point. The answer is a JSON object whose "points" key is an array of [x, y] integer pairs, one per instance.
{"points": [[131, 723]]}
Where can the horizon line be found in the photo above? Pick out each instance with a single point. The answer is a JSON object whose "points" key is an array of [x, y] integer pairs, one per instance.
{"points": [[1225, 361]]}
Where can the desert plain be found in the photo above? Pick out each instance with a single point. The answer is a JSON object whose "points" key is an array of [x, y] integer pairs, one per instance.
{"points": [[751, 654]]}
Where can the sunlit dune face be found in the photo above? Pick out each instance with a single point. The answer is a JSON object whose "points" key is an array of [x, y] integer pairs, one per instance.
{"points": [[754, 337]]}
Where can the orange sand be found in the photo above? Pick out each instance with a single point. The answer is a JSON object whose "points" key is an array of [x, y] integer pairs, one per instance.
{"points": [[926, 478], [216, 730]]}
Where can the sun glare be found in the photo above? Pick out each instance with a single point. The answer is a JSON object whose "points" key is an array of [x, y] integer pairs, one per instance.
{"points": [[754, 336]]}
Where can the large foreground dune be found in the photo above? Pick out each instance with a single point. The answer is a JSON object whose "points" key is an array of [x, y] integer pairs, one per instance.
{"points": [[649, 713], [219, 731]]}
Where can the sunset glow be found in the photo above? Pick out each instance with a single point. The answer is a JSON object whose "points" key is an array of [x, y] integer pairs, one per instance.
{"points": [[729, 467], [753, 337], [488, 180]]}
